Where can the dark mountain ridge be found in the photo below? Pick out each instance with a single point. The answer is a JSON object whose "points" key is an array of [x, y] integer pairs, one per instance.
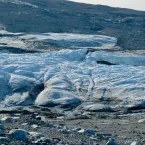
{"points": [[65, 16]]}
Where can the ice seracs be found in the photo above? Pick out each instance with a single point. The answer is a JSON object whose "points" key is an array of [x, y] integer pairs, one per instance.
{"points": [[71, 78], [116, 59]]}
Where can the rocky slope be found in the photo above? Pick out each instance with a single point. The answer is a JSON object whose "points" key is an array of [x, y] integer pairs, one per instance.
{"points": [[64, 16]]}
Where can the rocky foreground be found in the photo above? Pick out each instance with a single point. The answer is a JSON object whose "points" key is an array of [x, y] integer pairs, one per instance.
{"points": [[41, 126]]}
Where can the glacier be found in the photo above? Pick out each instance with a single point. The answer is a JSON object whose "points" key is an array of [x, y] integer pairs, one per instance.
{"points": [[45, 41], [72, 78]]}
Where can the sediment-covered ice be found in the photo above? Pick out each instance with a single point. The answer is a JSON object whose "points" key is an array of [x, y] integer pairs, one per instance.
{"points": [[71, 78], [74, 40], [54, 40]]}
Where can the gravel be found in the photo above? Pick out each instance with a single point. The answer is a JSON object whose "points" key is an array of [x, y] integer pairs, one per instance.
{"points": [[118, 128]]}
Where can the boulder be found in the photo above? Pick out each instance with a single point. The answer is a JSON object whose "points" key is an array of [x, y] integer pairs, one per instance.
{"points": [[111, 142], [1, 132], [64, 131], [24, 124], [81, 131], [135, 143], [43, 140], [4, 140], [34, 126], [90, 131], [76, 129], [36, 135], [19, 134], [2, 127], [7, 119], [42, 118], [141, 121]]}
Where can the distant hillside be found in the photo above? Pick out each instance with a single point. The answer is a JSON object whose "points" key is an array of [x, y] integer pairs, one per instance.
{"points": [[37, 16]]}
